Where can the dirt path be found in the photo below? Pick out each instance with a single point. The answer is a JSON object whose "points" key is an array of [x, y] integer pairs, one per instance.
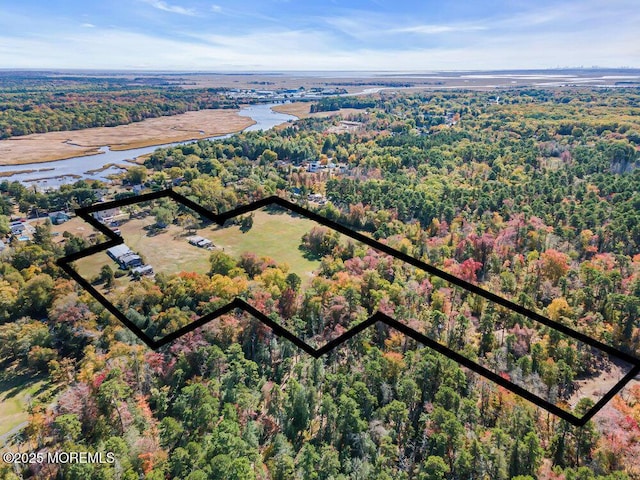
{"points": [[595, 387]]}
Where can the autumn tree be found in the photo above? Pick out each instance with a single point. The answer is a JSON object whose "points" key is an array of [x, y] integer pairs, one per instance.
{"points": [[221, 263], [320, 241], [136, 175], [554, 265]]}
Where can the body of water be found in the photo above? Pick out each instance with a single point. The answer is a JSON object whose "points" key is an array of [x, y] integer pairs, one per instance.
{"points": [[54, 174]]}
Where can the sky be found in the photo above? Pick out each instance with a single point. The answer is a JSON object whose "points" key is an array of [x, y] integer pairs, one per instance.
{"points": [[299, 35]]}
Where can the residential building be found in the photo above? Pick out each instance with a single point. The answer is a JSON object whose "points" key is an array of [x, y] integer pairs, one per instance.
{"points": [[130, 260], [59, 217], [314, 166], [106, 215], [118, 251]]}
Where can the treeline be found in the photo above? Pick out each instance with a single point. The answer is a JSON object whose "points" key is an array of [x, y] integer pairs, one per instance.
{"points": [[336, 103], [55, 108], [67, 197]]}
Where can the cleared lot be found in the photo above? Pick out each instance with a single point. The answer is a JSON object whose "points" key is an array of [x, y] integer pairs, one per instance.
{"points": [[276, 235]]}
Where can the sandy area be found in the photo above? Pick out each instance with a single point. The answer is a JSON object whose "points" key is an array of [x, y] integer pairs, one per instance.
{"points": [[596, 387], [301, 110], [46, 147]]}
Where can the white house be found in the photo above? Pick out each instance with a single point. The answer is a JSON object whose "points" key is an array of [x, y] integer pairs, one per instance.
{"points": [[106, 215], [17, 228], [313, 166]]}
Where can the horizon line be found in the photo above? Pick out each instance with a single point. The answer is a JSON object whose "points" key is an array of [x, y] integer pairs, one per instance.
{"points": [[276, 72]]}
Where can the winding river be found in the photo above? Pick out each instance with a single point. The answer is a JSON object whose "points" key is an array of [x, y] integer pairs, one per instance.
{"points": [[53, 174]]}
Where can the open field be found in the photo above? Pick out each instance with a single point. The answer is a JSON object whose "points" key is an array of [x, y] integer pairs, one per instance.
{"points": [[167, 252], [89, 267], [301, 110], [276, 235], [15, 395], [46, 147], [76, 225]]}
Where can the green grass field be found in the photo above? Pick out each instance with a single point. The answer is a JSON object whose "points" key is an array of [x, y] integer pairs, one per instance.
{"points": [[90, 266], [14, 400], [274, 234], [167, 252]]}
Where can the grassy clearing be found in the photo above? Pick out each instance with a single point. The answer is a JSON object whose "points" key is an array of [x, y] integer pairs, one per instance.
{"points": [[276, 235], [76, 226], [90, 266], [15, 395], [168, 251]]}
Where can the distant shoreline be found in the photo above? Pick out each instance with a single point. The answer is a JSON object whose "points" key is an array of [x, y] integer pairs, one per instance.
{"points": [[18, 172], [55, 146]]}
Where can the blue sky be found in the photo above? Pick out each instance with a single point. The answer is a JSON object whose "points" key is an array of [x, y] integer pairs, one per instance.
{"points": [[227, 35]]}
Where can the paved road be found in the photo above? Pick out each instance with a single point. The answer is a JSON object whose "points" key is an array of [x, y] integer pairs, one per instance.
{"points": [[4, 438]]}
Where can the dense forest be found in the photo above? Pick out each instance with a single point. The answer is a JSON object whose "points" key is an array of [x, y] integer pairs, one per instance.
{"points": [[535, 196], [48, 104], [336, 103]]}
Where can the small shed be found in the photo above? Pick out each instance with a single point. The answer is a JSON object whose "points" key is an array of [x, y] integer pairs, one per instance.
{"points": [[199, 241], [142, 270], [195, 240], [205, 242]]}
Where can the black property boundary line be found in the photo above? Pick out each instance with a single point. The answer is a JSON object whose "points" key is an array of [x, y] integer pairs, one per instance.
{"points": [[239, 304]]}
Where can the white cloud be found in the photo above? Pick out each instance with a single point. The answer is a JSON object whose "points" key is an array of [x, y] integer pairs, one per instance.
{"points": [[160, 5], [361, 27], [327, 43], [268, 42], [216, 8], [374, 27], [569, 15], [297, 50], [436, 29]]}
